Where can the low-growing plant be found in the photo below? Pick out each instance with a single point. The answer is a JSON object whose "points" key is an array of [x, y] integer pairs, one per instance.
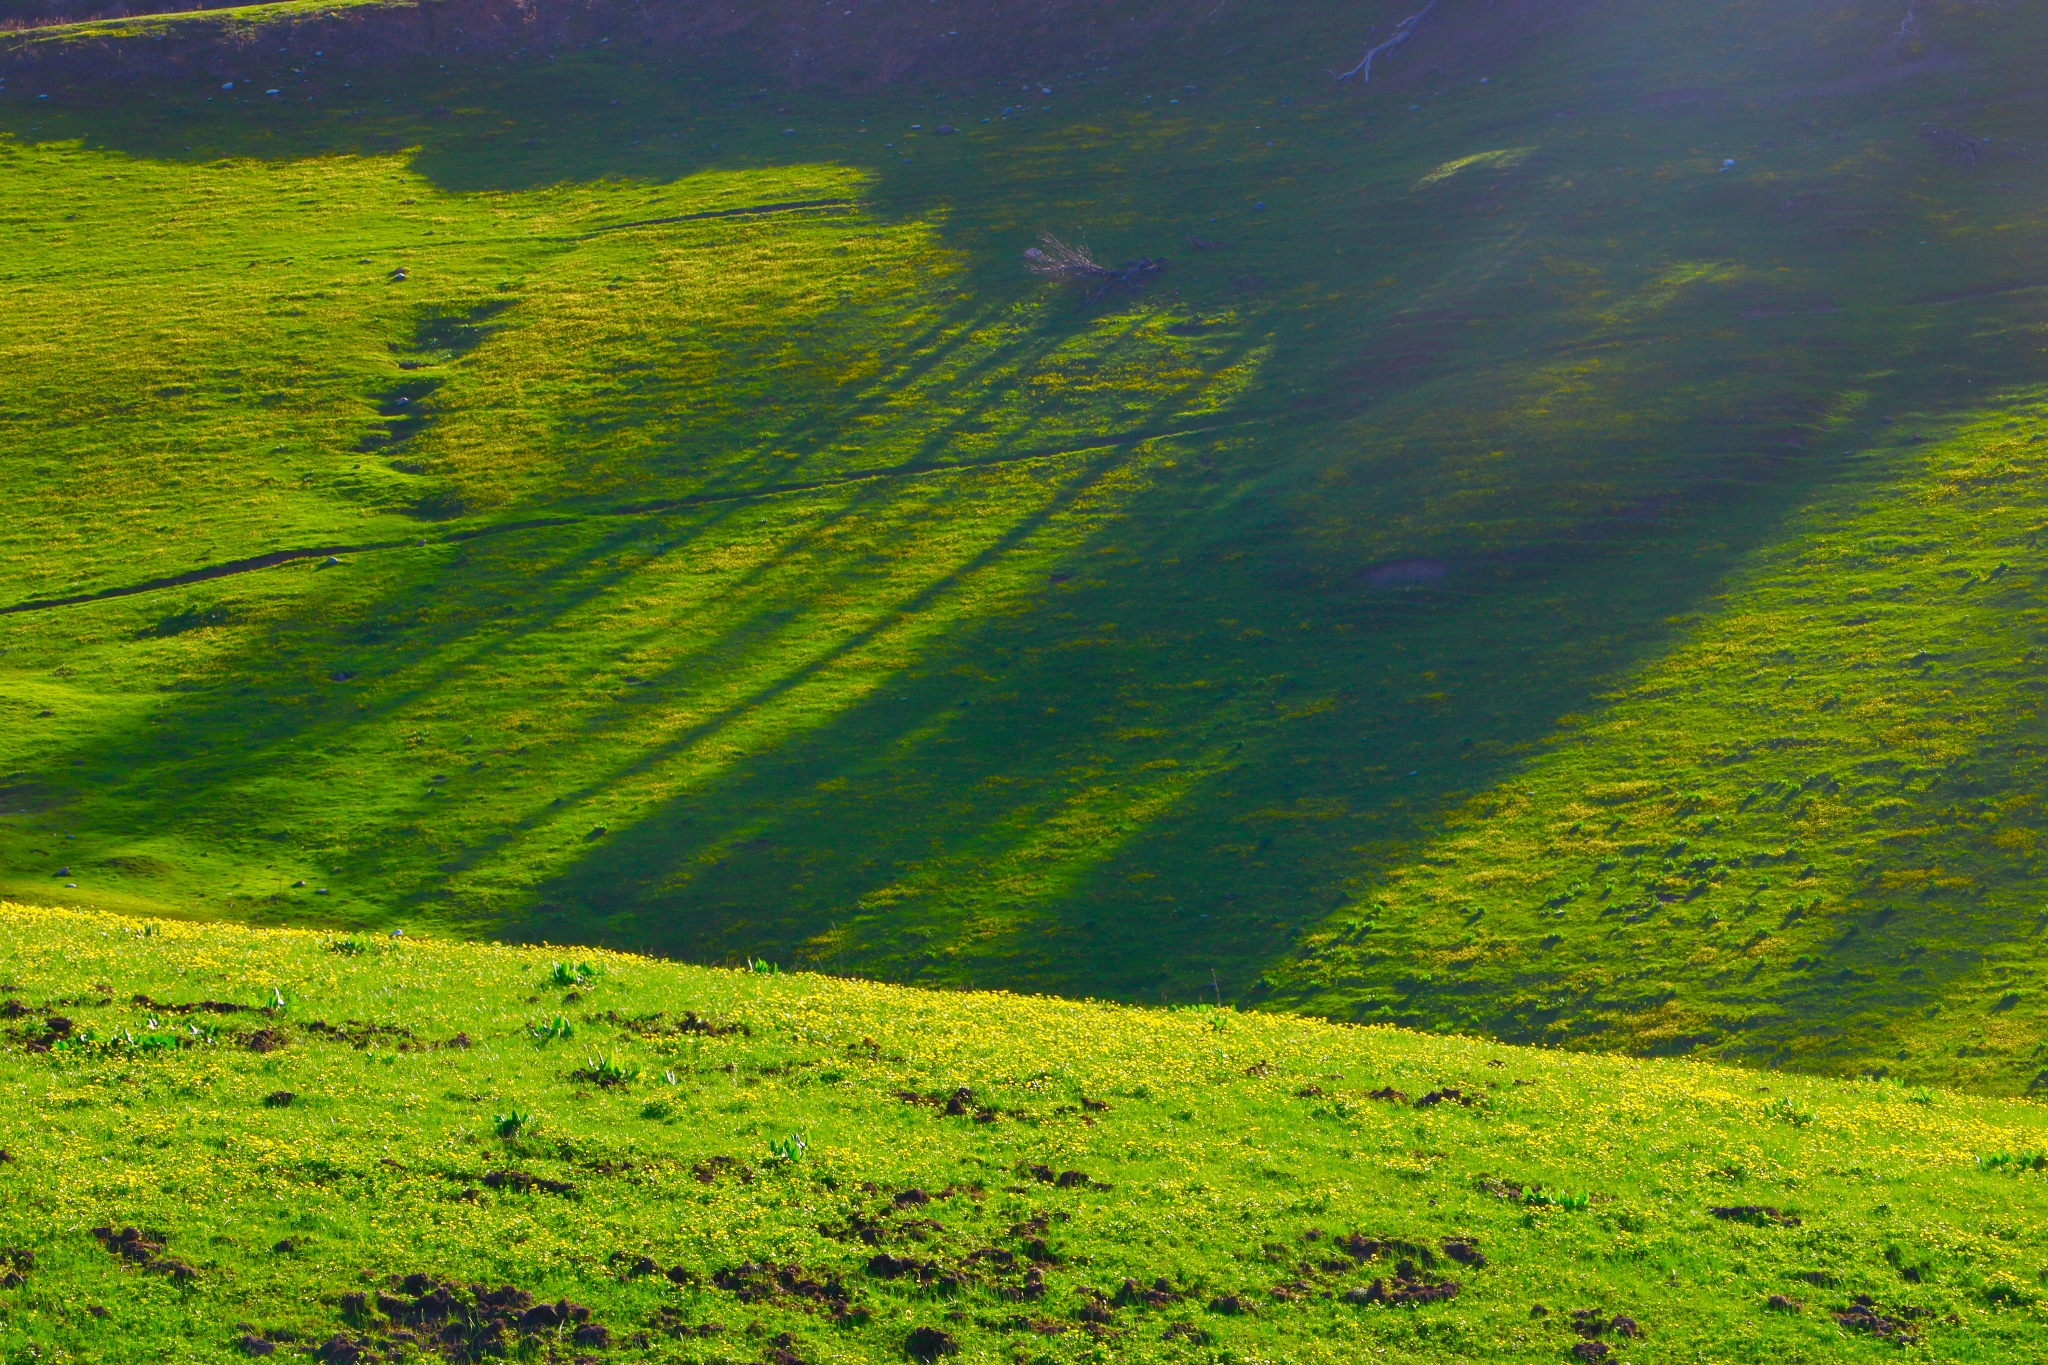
{"points": [[2013, 1163], [1544, 1197], [511, 1124], [762, 967], [1784, 1111], [566, 975], [789, 1149], [606, 1070], [550, 1031]]}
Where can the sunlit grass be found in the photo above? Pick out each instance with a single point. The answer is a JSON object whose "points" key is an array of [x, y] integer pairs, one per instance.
{"points": [[489, 1114]]}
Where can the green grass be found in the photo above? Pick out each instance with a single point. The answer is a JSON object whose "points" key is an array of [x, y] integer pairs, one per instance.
{"points": [[810, 585], [351, 1113]]}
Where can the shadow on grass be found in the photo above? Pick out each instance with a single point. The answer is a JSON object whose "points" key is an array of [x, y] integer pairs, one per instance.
{"points": [[1216, 712]]}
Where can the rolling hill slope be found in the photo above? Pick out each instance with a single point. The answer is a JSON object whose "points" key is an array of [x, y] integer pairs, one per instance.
{"points": [[236, 1142], [1553, 554]]}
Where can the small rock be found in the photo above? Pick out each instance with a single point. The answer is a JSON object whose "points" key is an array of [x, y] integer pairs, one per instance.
{"points": [[253, 1345]]}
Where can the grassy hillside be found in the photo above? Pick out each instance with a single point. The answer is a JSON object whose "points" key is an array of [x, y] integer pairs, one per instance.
{"points": [[1513, 572], [725, 1165]]}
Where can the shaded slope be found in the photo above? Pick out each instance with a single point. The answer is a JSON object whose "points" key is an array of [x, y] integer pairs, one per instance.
{"points": [[1493, 396]]}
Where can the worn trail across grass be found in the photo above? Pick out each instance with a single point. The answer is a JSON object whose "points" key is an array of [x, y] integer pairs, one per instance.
{"points": [[1515, 571], [407, 1149]]}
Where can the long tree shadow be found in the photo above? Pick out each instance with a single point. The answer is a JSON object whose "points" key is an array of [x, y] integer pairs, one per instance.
{"points": [[1167, 707]]}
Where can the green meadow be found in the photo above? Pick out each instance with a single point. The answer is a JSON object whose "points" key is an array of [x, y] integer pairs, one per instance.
{"points": [[227, 1143], [1554, 556]]}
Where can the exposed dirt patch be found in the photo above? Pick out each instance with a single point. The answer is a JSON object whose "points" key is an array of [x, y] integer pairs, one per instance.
{"points": [[460, 1324], [1863, 1315], [1756, 1215], [143, 1249], [521, 1181], [662, 1025], [194, 1007]]}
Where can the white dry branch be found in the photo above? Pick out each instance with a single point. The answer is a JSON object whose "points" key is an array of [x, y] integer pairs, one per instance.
{"points": [[1064, 263], [1403, 31]]}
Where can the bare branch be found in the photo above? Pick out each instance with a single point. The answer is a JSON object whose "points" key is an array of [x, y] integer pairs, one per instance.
{"points": [[1403, 31], [1063, 263], [1054, 260], [1954, 145]]}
